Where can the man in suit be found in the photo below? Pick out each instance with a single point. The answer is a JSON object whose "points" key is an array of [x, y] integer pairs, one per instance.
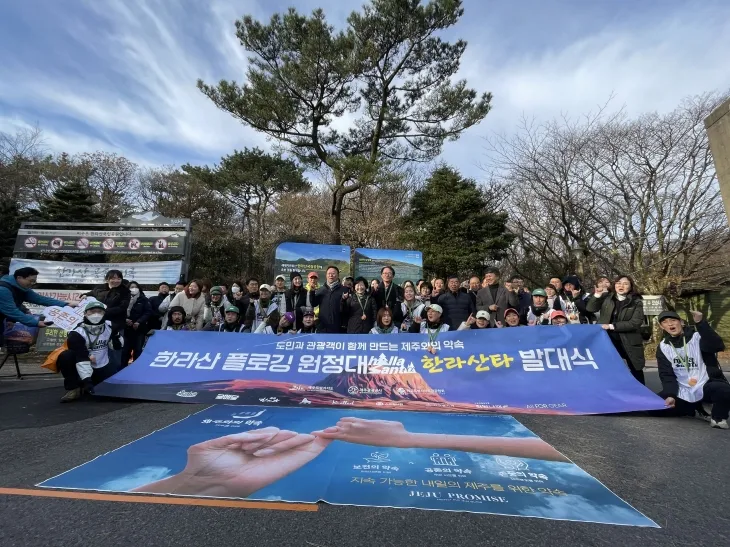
{"points": [[494, 298]]}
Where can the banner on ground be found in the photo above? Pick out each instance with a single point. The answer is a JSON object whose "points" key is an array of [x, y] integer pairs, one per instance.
{"points": [[311, 257], [544, 370], [86, 273], [472, 463], [100, 241], [406, 264]]}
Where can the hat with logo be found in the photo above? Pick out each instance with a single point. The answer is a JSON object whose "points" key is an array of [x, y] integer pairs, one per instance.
{"points": [[233, 309], [482, 314], [265, 287], [95, 305], [435, 307], [290, 317], [539, 292], [668, 315], [307, 312]]}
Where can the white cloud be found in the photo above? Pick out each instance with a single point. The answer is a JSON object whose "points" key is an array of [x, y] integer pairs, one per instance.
{"points": [[137, 478], [578, 508], [127, 69]]}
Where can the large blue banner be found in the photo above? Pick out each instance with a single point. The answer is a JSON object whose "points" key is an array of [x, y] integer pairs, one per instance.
{"points": [[546, 370], [448, 462]]}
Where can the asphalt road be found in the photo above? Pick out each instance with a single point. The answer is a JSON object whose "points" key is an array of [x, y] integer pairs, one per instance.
{"points": [[674, 470]]}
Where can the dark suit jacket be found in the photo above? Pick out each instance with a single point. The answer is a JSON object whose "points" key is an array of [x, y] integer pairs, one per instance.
{"points": [[505, 300]]}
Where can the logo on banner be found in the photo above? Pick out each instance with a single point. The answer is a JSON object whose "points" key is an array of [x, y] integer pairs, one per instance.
{"points": [[378, 457], [305, 401], [512, 464], [183, 393], [352, 390], [248, 415], [443, 459], [226, 397]]}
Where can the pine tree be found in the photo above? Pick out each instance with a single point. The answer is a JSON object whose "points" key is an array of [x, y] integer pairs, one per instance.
{"points": [[10, 219], [452, 222], [71, 202]]}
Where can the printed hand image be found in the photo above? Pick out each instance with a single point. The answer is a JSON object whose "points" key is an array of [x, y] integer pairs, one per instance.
{"points": [[346, 456], [240, 464]]}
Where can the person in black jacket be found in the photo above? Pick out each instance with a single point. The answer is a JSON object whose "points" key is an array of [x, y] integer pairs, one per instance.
{"points": [[155, 321], [389, 295], [574, 300], [138, 313], [622, 315], [494, 298], [329, 299], [689, 369], [115, 296], [359, 310], [457, 304], [295, 299]]}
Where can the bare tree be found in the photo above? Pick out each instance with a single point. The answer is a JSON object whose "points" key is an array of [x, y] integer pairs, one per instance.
{"points": [[617, 195]]}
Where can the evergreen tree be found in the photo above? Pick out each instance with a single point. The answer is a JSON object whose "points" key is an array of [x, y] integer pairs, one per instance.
{"points": [[10, 219], [71, 202], [452, 222]]}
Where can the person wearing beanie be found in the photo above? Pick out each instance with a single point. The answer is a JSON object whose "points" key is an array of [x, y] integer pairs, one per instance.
{"points": [[86, 361], [295, 299], [689, 370], [537, 313], [231, 321], [215, 311], [359, 310], [286, 324], [176, 319], [573, 300]]}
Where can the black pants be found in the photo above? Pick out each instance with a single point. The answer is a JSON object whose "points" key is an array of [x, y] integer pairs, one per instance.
{"points": [[133, 343], [71, 380], [715, 392]]}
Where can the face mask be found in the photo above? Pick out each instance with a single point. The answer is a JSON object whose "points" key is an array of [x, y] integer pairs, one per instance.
{"points": [[134, 291], [235, 290], [95, 318]]}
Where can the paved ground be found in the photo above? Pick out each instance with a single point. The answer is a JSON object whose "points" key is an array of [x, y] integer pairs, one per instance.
{"points": [[673, 470]]}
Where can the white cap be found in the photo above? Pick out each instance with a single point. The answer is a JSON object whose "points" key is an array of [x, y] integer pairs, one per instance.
{"points": [[265, 287], [280, 276], [482, 314], [435, 307]]}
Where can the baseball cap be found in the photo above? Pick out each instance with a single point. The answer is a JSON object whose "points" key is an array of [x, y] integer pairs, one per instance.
{"points": [[510, 310], [307, 311], [289, 316], [435, 307], [668, 315], [312, 274], [539, 292], [96, 305], [280, 277], [482, 314], [216, 290], [265, 287], [234, 309], [556, 313]]}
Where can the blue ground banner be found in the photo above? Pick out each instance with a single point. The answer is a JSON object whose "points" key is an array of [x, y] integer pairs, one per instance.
{"points": [[492, 464], [545, 370], [406, 264]]}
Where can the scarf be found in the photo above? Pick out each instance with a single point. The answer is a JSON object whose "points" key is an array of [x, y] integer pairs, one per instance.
{"points": [[332, 286], [132, 302], [386, 330]]}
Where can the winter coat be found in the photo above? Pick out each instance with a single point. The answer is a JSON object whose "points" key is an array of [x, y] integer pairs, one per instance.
{"points": [[141, 311], [194, 308], [567, 301], [352, 312], [329, 300], [505, 299], [211, 311], [626, 334], [457, 307], [12, 297], [391, 298], [116, 301]]}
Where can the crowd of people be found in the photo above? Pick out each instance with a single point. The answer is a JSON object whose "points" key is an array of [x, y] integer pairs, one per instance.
{"points": [[117, 323]]}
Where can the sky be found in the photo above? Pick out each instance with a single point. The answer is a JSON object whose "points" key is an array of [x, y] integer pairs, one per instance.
{"points": [[119, 75]]}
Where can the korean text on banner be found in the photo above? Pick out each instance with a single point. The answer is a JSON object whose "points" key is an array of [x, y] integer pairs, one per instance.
{"points": [[551, 370], [87, 273]]}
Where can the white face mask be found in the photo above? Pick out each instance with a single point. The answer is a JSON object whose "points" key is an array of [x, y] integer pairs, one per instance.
{"points": [[134, 291], [235, 290], [95, 318]]}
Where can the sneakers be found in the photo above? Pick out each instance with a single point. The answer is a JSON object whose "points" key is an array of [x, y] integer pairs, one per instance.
{"points": [[703, 416], [75, 394], [720, 424]]}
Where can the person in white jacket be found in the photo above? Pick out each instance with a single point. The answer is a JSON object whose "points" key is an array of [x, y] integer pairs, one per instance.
{"points": [[193, 302], [164, 307]]}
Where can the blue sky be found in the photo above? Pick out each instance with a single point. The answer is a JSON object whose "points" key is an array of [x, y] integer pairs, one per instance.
{"points": [[119, 75]]}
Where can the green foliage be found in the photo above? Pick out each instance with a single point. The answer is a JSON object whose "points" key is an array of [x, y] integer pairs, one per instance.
{"points": [[71, 202], [10, 219], [452, 221], [387, 69]]}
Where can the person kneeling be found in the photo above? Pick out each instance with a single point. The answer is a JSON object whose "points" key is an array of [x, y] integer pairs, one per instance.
{"points": [[231, 322], [308, 326], [86, 361], [689, 369]]}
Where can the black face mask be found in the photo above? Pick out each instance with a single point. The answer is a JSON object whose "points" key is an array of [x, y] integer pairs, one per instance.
{"points": [[164, 294]]}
